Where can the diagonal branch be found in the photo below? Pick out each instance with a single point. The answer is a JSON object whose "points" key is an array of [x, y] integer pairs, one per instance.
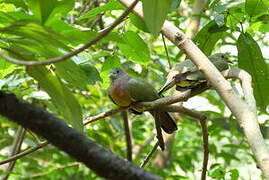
{"points": [[100, 36], [56, 131]]}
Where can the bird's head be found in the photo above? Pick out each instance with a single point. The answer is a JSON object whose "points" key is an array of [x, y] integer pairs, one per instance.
{"points": [[115, 73], [222, 57]]}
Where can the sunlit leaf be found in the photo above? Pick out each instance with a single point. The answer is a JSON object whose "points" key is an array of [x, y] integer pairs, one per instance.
{"points": [[208, 36], [255, 7], [155, 12], [111, 5], [134, 48]]}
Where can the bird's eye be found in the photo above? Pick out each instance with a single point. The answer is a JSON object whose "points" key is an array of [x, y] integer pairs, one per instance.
{"points": [[222, 56], [117, 71]]}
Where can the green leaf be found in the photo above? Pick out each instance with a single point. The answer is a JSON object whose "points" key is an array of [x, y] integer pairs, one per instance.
{"points": [[174, 5], [17, 3], [61, 97], [6, 68], [60, 10], [218, 173], [155, 12], [234, 174], [91, 72], [42, 9], [235, 16], [250, 59], [34, 31], [72, 73], [208, 36], [7, 18], [112, 62], [111, 5], [255, 7], [134, 48], [138, 22]]}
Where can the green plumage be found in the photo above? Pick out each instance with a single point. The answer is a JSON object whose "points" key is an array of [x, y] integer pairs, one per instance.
{"points": [[125, 90], [185, 75], [141, 90]]}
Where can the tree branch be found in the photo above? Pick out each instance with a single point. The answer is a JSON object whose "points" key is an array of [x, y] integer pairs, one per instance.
{"points": [[244, 113], [56, 131], [146, 160], [24, 153], [16, 147], [100, 36], [128, 134]]}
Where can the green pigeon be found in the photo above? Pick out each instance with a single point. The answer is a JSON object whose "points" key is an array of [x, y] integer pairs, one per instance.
{"points": [[125, 90], [185, 75]]}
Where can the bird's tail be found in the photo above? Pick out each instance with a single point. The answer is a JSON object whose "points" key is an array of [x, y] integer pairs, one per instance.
{"points": [[167, 122]]}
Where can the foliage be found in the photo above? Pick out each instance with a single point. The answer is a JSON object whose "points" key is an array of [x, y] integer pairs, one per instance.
{"points": [[76, 88]]}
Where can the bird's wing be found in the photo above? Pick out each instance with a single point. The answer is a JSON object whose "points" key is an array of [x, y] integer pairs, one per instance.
{"points": [[141, 90]]}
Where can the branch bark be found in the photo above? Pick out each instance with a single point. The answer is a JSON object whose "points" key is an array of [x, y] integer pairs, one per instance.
{"points": [[128, 134], [244, 112], [56, 131]]}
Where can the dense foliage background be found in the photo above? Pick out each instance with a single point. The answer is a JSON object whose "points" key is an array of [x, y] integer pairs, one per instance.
{"points": [[76, 88]]}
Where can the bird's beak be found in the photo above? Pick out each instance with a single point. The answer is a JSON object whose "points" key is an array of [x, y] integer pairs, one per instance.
{"points": [[230, 62], [167, 85]]}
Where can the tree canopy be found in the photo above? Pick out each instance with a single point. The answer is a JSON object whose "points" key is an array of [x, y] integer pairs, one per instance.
{"points": [[57, 56]]}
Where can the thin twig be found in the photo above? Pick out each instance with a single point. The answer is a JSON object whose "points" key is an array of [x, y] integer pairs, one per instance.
{"points": [[202, 119], [100, 36], [138, 148], [128, 134], [206, 149], [150, 155], [15, 149], [24, 153], [166, 51], [159, 130], [104, 115]]}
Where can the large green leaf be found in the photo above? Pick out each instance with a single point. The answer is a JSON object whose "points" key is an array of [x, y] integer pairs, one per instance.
{"points": [[72, 73], [111, 5], [27, 29], [155, 12], [208, 36], [49, 10], [138, 22], [91, 73], [42, 9], [250, 59], [61, 97], [7, 18], [134, 48], [255, 7], [60, 10]]}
